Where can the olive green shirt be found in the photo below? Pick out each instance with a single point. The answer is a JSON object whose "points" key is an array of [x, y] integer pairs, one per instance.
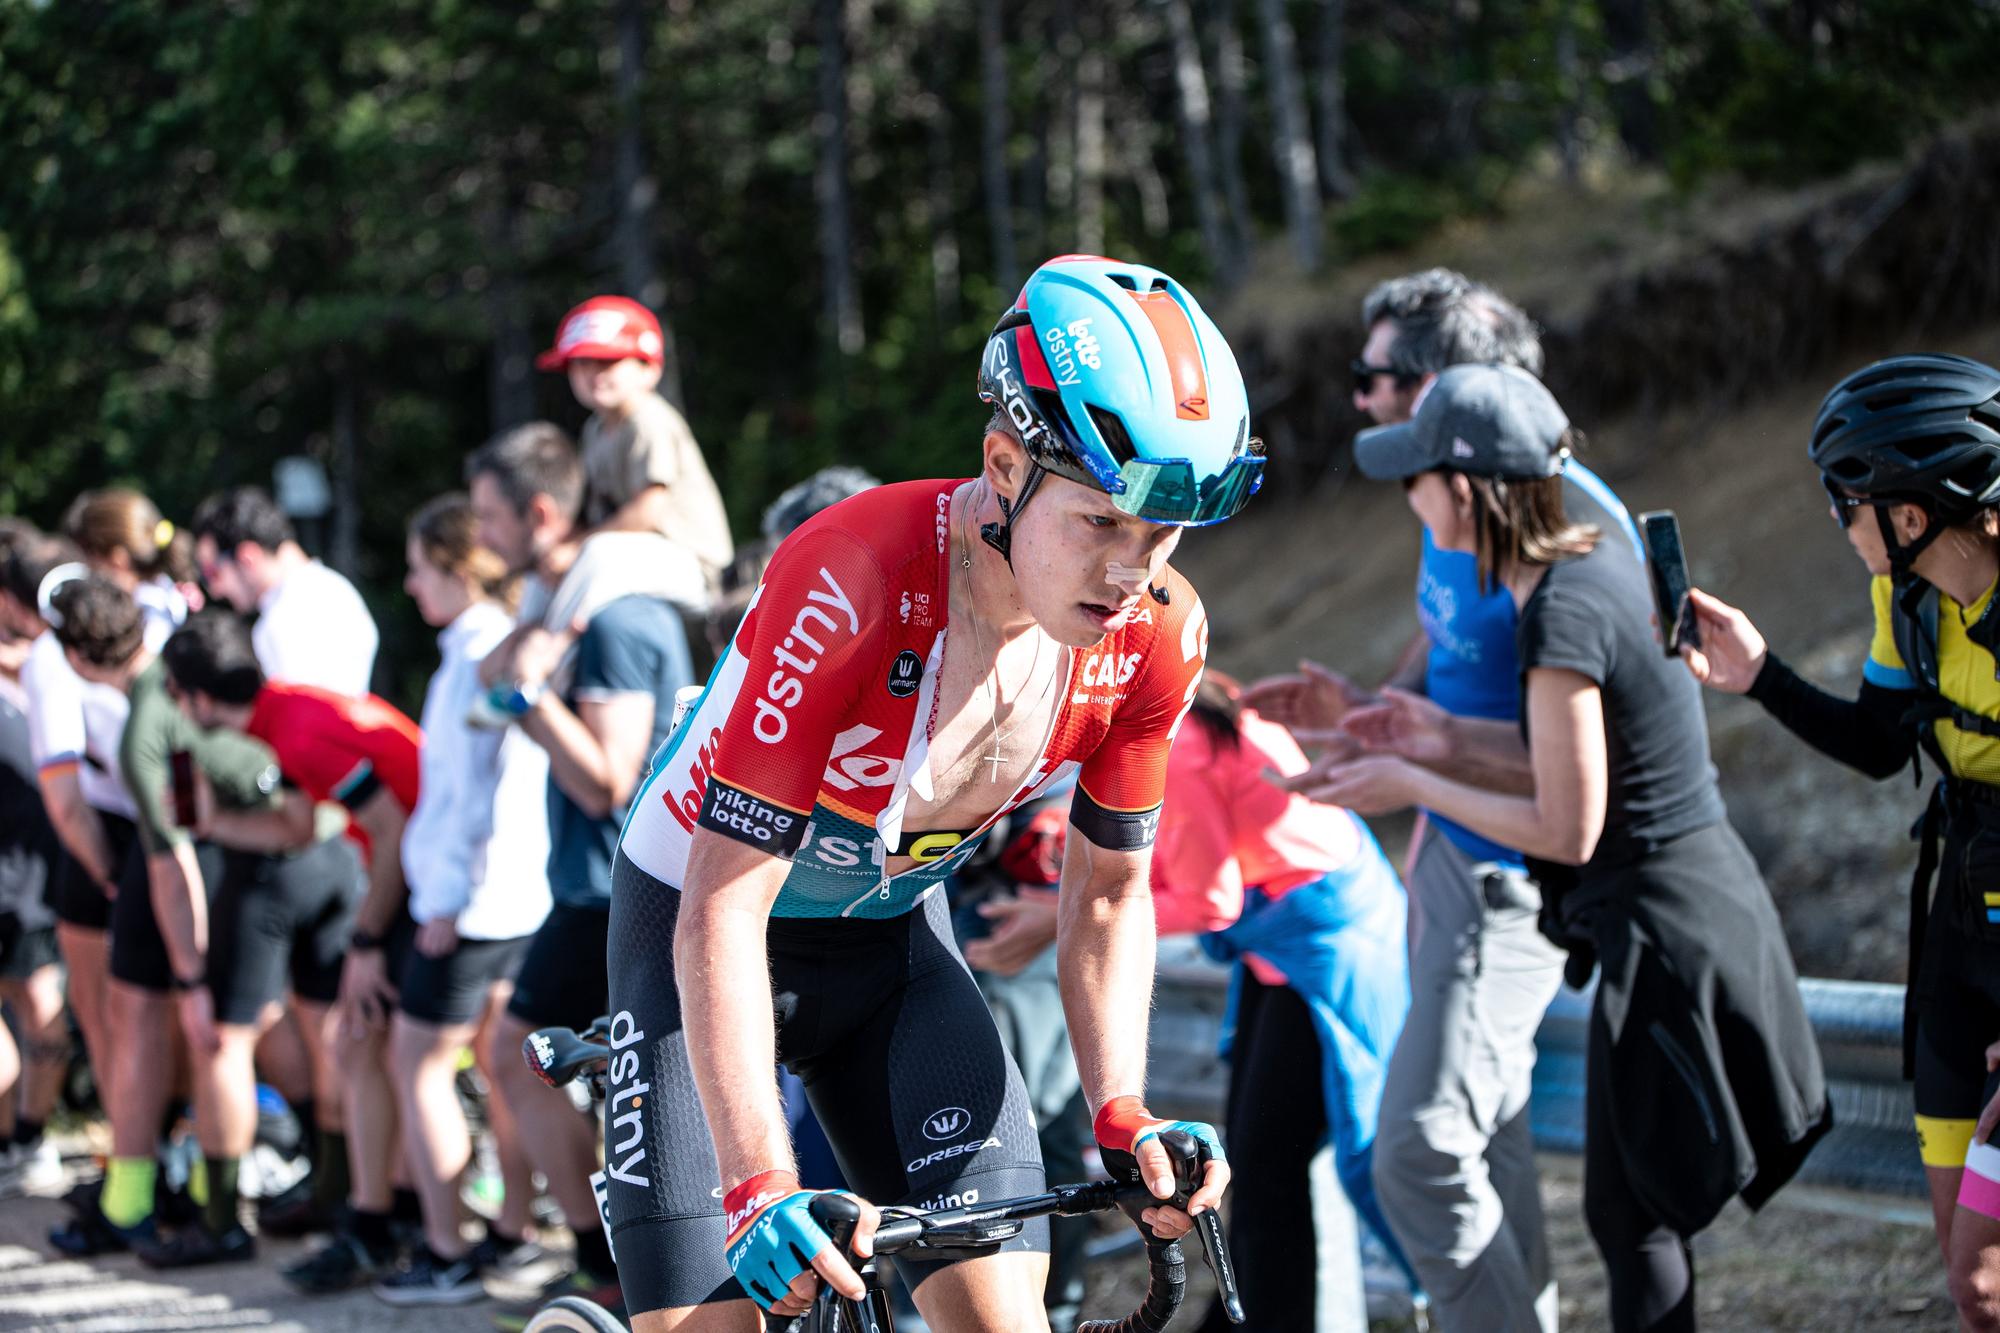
{"points": [[242, 771]]}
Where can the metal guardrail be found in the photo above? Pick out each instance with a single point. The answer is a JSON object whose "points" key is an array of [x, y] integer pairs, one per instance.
{"points": [[1872, 1148]]}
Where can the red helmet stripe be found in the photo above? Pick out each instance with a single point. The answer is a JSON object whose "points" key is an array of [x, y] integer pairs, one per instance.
{"points": [[1183, 349], [1034, 366]]}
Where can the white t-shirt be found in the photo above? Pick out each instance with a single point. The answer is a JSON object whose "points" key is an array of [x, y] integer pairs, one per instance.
{"points": [[71, 721], [314, 629], [477, 845]]}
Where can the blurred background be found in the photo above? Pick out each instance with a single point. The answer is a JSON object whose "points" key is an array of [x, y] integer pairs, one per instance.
{"points": [[237, 236]]}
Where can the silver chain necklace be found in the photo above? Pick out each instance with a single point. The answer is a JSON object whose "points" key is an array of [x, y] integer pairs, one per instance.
{"points": [[997, 759]]}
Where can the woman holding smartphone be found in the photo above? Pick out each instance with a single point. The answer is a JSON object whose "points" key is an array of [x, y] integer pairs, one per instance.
{"points": [[1909, 452], [1703, 1078]]}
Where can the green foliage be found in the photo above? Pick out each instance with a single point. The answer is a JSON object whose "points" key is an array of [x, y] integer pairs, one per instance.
{"points": [[224, 220]]}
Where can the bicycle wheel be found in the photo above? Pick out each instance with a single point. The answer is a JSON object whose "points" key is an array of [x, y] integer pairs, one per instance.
{"points": [[574, 1314]]}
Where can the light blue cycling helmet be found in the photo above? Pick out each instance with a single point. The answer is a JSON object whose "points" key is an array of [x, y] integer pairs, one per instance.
{"points": [[1114, 377]]}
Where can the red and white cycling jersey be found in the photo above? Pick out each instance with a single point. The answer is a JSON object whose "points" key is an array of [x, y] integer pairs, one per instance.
{"points": [[819, 716]]}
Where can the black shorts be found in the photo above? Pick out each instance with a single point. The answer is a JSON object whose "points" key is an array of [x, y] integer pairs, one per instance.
{"points": [[25, 949], [281, 923], [560, 982], [451, 990], [138, 951], [900, 1060], [1957, 989], [78, 900]]}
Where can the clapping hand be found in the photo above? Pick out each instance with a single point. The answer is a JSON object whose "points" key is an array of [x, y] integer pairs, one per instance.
{"points": [[1403, 724], [1312, 700]]}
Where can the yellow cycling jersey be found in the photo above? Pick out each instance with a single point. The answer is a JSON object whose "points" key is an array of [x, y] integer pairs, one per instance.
{"points": [[1966, 677]]}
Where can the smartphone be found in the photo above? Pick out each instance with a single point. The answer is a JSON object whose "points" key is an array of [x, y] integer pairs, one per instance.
{"points": [[181, 764], [1666, 561]]}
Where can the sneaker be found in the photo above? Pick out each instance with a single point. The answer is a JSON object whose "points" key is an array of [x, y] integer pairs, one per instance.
{"points": [[499, 1255], [515, 1318], [428, 1280], [89, 1233], [294, 1213], [36, 1170], [345, 1261], [194, 1246]]}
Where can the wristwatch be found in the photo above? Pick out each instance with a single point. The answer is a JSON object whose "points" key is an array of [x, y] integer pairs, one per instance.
{"points": [[359, 940], [515, 700], [182, 983]]}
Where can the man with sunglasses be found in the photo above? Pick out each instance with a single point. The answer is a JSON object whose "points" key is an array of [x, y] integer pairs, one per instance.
{"points": [[918, 660], [1454, 1160]]}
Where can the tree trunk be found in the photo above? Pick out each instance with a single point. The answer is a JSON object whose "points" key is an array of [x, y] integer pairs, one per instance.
{"points": [[994, 135], [938, 204], [343, 548], [510, 375], [1229, 118], [637, 190], [1628, 76], [1330, 99], [1569, 118], [1091, 77], [1291, 141], [836, 231], [1196, 116]]}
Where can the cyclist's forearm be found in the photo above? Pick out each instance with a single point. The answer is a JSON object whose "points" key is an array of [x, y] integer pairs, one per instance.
{"points": [[1104, 950], [731, 1037]]}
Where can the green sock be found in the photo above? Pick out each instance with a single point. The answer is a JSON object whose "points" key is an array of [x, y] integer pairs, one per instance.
{"points": [[128, 1191], [330, 1170], [198, 1183], [218, 1210]]}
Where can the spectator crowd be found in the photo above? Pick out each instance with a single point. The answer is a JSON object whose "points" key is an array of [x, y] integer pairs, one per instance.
{"points": [[245, 881]]}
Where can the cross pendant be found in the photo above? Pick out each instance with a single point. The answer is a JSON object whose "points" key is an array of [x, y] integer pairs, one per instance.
{"points": [[995, 759]]}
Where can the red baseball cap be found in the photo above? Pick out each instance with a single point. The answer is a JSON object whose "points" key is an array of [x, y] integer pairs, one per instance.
{"points": [[605, 328]]}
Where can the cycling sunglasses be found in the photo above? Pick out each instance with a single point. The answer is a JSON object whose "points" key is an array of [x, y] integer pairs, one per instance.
{"points": [[1845, 504], [1167, 492]]}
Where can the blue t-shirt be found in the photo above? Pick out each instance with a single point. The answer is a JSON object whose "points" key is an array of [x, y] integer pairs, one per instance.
{"points": [[1472, 670], [635, 645]]}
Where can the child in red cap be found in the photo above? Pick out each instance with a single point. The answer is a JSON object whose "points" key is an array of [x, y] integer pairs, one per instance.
{"points": [[643, 471]]}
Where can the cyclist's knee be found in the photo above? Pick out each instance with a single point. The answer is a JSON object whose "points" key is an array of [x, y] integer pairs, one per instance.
{"points": [[998, 1293]]}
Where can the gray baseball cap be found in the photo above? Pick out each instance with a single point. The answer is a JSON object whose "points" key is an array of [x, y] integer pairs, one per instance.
{"points": [[1488, 420]]}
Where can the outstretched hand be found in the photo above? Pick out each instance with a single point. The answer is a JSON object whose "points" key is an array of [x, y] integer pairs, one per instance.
{"points": [[1402, 724], [1314, 698], [1372, 785], [1732, 652]]}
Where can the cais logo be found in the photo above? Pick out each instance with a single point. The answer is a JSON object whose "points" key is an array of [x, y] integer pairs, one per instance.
{"points": [[783, 691], [905, 674], [1108, 669], [943, 1126]]}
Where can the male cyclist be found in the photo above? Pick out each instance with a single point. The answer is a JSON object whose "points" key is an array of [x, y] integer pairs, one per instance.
{"points": [[916, 661]]}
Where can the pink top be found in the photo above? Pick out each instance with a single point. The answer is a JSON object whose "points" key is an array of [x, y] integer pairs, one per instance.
{"points": [[1225, 827]]}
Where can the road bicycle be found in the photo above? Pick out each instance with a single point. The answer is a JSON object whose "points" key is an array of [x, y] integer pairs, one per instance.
{"points": [[560, 1056]]}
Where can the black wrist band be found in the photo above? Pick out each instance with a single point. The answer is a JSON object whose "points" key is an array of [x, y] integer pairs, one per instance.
{"points": [[182, 983], [360, 941]]}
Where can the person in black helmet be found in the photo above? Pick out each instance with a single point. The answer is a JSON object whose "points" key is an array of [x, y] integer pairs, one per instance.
{"points": [[1909, 452]]}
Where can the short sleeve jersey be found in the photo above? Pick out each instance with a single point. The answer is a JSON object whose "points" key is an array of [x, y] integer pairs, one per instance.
{"points": [[1593, 615], [74, 724], [819, 716], [1966, 676], [654, 447], [635, 645], [334, 747], [1470, 670], [242, 770]]}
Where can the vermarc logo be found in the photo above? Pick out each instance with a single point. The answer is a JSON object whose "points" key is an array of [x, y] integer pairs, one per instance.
{"points": [[943, 1126]]}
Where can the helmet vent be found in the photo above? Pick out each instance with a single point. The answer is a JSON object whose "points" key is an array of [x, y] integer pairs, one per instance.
{"points": [[1123, 280], [1116, 438]]}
